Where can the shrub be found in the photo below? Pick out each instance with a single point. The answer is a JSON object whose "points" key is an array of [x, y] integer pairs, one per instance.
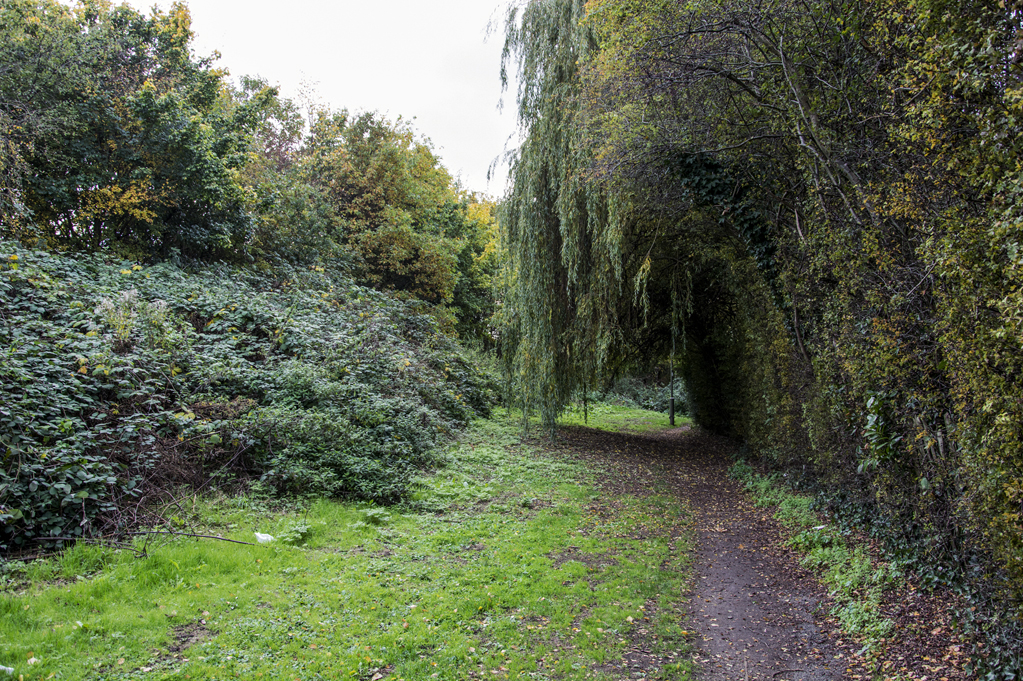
{"points": [[644, 394], [121, 381]]}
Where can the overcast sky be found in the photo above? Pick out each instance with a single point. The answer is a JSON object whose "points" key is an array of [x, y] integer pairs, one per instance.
{"points": [[428, 60]]}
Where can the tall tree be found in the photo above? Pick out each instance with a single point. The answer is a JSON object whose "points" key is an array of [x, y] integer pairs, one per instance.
{"points": [[122, 137], [550, 215], [407, 225]]}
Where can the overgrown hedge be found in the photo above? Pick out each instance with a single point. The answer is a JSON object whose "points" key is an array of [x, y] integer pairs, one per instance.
{"points": [[122, 382]]}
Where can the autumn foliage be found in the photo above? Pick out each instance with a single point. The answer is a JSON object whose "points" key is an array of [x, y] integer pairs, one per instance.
{"points": [[115, 136]]}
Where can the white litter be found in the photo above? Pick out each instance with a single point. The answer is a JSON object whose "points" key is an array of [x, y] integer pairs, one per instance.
{"points": [[264, 538], [9, 670]]}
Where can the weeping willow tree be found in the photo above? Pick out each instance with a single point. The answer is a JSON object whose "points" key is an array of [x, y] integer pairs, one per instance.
{"points": [[550, 344], [601, 266], [574, 300]]}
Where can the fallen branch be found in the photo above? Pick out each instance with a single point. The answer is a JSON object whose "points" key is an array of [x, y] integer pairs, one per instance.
{"points": [[98, 541], [197, 536]]}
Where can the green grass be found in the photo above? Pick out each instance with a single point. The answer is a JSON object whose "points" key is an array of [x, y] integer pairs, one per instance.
{"points": [[618, 418], [501, 564]]}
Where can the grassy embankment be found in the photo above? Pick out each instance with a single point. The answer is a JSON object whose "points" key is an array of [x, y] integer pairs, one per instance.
{"points": [[500, 568]]}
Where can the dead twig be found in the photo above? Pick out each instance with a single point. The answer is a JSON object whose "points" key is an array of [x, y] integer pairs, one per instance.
{"points": [[97, 541], [188, 534]]}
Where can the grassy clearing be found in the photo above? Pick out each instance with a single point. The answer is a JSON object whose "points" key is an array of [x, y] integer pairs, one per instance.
{"points": [[853, 580], [614, 418], [501, 564]]}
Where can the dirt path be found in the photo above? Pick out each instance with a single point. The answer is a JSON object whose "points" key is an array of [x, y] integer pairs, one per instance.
{"points": [[757, 613], [755, 610], [754, 606]]}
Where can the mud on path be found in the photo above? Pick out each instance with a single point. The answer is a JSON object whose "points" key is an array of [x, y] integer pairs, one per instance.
{"points": [[756, 612]]}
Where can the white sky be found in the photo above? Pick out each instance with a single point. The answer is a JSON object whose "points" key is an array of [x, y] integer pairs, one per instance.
{"points": [[428, 60]]}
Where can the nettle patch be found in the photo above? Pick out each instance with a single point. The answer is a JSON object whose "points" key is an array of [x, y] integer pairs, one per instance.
{"points": [[123, 382]]}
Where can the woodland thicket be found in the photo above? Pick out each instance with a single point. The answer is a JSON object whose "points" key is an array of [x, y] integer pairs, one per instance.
{"points": [[115, 136], [204, 285], [813, 207]]}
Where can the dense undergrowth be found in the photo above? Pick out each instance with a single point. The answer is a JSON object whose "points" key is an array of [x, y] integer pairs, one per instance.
{"points": [[122, 383], [639, 393]]}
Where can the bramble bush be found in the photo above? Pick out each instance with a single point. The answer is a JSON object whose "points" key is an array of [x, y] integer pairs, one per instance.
{"points": [[122, 382], [645, 394]]}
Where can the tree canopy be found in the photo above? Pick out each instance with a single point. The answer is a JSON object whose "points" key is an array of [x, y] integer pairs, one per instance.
{"points": [[815, 203], [115, 135]]}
